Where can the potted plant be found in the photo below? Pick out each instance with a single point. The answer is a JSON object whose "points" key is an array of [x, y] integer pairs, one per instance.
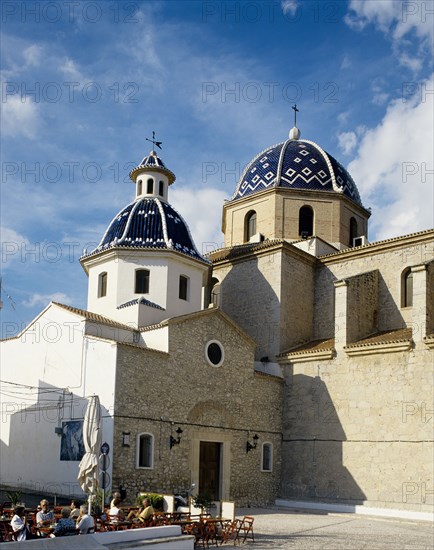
{"points": [[203, 501], [14, 497]]}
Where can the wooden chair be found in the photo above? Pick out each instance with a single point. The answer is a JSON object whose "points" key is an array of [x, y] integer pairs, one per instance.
{"points": [[208, 533], [111, 523], [229, 531], [245, 529], [11, 534], [6, 533], [100, 525]]}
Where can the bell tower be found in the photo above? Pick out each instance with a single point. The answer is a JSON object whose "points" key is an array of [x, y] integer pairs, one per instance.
{"points": [[146, 267]]}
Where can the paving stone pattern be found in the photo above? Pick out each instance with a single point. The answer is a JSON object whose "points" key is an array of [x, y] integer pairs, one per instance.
{"points": [[290, 530]]}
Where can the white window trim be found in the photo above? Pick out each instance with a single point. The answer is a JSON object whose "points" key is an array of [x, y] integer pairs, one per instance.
{"points": [[222, 350], [151, 467], [271, 456]]}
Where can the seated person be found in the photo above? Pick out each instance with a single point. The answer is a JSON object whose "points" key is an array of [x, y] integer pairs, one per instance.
{"points": [[44, 517], [19, 524], [116, 511], [65, 526], [115, 495], [85, 523], [146, 512], [75, 509], [134, 514]]}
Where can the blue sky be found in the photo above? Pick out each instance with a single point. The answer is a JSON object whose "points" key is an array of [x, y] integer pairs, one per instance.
{"points": [[84, 83]]}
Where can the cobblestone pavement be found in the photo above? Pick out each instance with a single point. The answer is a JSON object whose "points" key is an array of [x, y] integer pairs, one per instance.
{"points": [[295, 530]]}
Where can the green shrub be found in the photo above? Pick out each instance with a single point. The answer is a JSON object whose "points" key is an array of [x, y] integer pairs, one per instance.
{"points": [[203, 500], [14, 497]]}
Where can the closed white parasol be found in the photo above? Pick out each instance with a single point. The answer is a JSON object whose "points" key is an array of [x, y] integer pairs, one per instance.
{"points": [[92, 436]]}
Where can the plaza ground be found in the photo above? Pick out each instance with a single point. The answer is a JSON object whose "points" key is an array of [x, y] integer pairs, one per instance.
{"points": [[285, 529], [277, 528]]}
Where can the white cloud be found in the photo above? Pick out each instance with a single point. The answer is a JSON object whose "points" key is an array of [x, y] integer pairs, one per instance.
{"points": [[346, 62], [289, 6], [347, 142], [32, 55], [393, 168], [12, 244], [44, 299], [413, 63], [396, 19], [20, 118], [69, 69], [380, 96], [343, 117], [201, 209]]}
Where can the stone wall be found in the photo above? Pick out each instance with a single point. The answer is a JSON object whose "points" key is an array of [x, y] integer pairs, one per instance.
{"points": [[277, 215], [359, 429], [296, 315], [390, 260], [250, 295], [258, 294], [157, 392], [430, 299]]}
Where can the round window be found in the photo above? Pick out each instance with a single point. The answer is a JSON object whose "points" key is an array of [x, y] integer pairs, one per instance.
{"points": [[214, 353]]}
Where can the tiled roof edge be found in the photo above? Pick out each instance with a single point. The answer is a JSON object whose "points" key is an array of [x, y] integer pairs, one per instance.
{"points": [[376, 243]]}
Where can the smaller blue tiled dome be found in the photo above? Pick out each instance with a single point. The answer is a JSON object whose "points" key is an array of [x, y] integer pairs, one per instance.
{"points": [[296, 164], [149, 223], [153, 162]]}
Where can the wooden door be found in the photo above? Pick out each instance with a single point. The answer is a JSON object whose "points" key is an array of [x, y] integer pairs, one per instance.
{"points": [[209, 468]]}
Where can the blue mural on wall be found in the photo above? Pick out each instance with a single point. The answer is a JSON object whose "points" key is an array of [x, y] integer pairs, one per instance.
{"points": [[71, 445]]}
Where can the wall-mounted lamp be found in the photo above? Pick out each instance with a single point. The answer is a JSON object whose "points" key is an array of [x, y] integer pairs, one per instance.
{"points": [[250, 446], [126, 439], [176, 441]]}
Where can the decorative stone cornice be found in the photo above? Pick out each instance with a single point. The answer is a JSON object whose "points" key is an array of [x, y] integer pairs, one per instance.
{"points": [[233, 254], [382, 342], [429, 341], [379, 246], [316, 350]]}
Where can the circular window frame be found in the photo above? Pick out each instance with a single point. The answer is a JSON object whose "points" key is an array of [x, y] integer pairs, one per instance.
{"points": [[222, 349]]}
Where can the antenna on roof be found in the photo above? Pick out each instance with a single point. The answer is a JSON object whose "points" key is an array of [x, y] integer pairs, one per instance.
{"points": [[154, 142]]}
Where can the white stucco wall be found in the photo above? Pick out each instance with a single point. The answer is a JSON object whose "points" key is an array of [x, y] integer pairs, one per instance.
{"points": [[47, 374], [165, 269]]}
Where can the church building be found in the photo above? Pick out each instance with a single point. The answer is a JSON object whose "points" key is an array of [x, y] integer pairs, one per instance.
{"points": [[292, 365]]}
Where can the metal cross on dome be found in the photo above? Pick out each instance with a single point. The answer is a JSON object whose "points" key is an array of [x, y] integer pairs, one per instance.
{"points": [[154, 142], [294, 108]]}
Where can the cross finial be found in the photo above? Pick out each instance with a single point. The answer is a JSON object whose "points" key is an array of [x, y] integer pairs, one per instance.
{"points": [[294, 108], [154, 142]]}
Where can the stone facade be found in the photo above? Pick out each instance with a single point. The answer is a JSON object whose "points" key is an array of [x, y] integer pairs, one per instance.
{"points": [[323, 351], [277, 211], [359, 430], [158, 392], [357, 361]]}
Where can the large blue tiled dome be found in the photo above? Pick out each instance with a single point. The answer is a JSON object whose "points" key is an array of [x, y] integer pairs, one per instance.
{"points": [[296, 164], [149, 223]]}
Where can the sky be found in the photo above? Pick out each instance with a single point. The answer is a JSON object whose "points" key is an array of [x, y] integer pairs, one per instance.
{"points": [[84, 83]]}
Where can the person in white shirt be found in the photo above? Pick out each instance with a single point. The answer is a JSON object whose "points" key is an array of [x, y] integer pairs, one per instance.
{"points": [[85, 523], [44, 517], [19, 524], [116, 511]]}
